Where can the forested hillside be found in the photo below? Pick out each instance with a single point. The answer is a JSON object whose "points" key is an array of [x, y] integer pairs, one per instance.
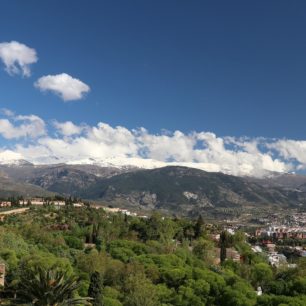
{"points": [[83, 255]]}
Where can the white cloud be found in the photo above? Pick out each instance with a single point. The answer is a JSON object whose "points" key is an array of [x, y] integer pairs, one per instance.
{"points": [[71, 143], [17, 57], [68, 128], [120, 146], [30, 126], [290, 149], [7, 112], [65, 86], [176, 146]]}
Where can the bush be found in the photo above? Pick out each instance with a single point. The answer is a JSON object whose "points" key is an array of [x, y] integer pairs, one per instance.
{"points": [[74, 242], [107, 301]]}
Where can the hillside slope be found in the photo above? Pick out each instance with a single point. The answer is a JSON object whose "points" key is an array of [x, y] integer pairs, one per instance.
{"points": [[173, 189], [185, 190], [60, 178], [9, 188]]}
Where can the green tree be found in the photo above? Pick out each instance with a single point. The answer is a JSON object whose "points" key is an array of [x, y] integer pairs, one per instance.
{"points": [[223, 245], [95, 288], [74, 242], [140, 291], [193, 292], [238, 297], [261, 274], [199, 228], [204, 249]]}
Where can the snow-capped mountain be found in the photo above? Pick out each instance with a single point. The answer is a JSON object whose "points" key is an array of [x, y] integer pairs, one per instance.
{"points": [[11, 158], [142, 163], [148, 184]]}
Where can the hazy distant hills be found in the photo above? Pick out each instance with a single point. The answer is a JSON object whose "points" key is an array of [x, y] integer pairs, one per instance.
{"points": [[174, 189]]}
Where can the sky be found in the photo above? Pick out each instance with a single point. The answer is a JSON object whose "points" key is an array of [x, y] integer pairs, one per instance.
{"points": [[219, 85]]}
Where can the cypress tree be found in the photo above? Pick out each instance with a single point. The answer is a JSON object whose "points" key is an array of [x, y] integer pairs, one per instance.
{"points": [[199, 227], [95, 288], [223, 245]]}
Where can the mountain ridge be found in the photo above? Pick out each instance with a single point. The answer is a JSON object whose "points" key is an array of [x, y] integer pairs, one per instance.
{"points": [[174, 189], [186, 189]]}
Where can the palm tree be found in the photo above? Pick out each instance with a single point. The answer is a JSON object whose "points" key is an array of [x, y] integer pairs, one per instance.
{"points": [[49, 288]]}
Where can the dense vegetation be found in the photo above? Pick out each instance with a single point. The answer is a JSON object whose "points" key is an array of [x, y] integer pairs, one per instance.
{"points": [[62, 256]]}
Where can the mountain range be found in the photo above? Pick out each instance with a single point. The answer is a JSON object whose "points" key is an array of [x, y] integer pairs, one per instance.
{"points": [[173, 189]]}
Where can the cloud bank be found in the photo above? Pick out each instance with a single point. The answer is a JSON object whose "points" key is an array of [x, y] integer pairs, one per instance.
{"points": [[31, 138], [63, 85], [17, 58]]}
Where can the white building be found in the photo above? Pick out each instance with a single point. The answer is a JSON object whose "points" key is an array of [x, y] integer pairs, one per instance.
{"points": [[277, 260]]}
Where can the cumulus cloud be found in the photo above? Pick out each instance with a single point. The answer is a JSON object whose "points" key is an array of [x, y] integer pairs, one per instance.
{"points": [[66, 142], [121, 146], [165, 146], [7, 112], [68, 128], [17, 58], [30, 126], [290, 149], [63, 85]]}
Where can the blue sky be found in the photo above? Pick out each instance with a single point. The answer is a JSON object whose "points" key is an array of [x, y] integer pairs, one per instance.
{"points": [[232, 68]]}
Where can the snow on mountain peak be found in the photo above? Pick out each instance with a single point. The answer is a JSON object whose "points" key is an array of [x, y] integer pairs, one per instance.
{"points": [[9, 157], [142, 163], [120, 162]]}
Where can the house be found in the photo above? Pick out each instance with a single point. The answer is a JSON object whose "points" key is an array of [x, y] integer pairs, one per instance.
{"points": [[270, 247], [37, 201], [112, 209], [59, 203], [78, 204], [276, 260], [119, 210], [282, 232], [5, 204], [257, 249]]}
